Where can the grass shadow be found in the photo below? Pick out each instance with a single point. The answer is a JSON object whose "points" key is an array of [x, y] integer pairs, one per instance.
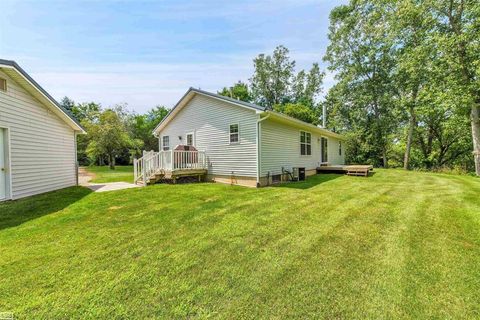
{"points": [[310, 182], [17, 212]]}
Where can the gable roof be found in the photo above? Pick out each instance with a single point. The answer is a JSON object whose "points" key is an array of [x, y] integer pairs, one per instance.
{"points": [[13, 70], [262, 110], [191, 92]]}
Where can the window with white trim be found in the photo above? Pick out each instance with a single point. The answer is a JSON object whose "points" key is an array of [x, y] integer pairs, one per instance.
{"points": [[189, 139], [234, 133], [305, 143], [3, 84], [340, 148], [165, 143]]}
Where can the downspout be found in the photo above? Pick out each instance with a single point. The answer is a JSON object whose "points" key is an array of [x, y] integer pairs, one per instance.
{"points": [[258, 145]]}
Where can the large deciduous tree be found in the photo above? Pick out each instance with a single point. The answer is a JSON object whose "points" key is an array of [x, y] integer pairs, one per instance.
{"points": [[238, 91], [109, 137], [362, 55], [272, 78], [457, 35]]}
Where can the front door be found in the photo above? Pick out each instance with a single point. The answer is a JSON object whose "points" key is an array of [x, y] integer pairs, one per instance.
{"points": [[3, 164]]}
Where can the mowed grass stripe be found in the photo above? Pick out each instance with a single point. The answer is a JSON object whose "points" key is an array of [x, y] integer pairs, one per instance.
{"points": [[394, 245]]}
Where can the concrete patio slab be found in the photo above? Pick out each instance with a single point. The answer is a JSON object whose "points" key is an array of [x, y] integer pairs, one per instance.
{"points": [[110, 186]]}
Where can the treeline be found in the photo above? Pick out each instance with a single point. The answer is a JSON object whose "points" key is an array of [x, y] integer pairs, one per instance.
{"points": [[407, 91], [115, 135]]}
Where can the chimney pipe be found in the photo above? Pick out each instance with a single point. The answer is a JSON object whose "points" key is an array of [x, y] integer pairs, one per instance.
{"points": [[324, 116]]}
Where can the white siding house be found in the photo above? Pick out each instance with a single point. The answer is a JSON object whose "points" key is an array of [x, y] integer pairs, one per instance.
{"points": [[244, 143], [37, 137]]}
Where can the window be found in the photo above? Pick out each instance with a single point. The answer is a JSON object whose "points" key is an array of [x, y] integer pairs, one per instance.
{"points": [[165, 143], [189, 139], [324, 150], [3, 84], [305, 143], [340, 148], [276, 178], [234, 135]]}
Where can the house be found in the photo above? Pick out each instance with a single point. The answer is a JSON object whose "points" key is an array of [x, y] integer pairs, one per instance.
{"points": [[238, 142], [37, 137]]}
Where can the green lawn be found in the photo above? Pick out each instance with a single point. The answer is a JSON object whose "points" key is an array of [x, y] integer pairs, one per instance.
{"points": [[104, 174], [394, 245]]}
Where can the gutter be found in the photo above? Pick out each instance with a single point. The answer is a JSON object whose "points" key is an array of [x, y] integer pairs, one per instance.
{"points": [[258, 144]]}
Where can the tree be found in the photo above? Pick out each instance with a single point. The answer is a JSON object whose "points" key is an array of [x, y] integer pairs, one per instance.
{"points": [[109, 137], [270, 83], [142, 126], [297, 111], [67, 103], [238, 91], [457, 34], [274, 84], [307, 86], [363, 57], [410, 29], [87, 111]]}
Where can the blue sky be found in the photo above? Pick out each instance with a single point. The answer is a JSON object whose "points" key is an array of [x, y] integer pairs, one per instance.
{"points": [[146, 53]]}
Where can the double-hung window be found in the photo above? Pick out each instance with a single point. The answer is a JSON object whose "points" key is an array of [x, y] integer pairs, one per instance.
{"points": [[189, 139], [165, 143], [234, 133], [305, 143]]}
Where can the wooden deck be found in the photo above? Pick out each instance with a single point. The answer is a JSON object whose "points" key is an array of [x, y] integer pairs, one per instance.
{"points": [[351, 170], [173, 176]]}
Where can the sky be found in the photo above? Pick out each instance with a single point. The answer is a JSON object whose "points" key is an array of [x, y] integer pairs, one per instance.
{"points": [[148, 53]]}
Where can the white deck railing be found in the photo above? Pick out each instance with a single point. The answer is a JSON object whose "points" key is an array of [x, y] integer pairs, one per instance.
{"points": [[155, 162]]}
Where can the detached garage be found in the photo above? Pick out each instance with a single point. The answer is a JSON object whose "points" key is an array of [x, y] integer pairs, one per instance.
{"points": [[37, 137]]}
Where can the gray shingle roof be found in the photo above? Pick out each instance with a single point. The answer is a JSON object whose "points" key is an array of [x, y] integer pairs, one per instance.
{"points": [[246, 104]]}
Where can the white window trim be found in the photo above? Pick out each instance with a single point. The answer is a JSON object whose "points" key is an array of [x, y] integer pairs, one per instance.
{"points": [[300, 143], [6, 85], [230, 134], [163, 144], [193, 138]]}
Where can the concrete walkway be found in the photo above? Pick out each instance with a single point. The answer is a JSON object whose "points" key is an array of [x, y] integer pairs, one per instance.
{"points": [[111, 186], [84, 178]]}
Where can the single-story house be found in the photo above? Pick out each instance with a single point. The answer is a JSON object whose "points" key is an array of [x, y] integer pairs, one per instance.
{"points": [[37, 137], [242, 143]]}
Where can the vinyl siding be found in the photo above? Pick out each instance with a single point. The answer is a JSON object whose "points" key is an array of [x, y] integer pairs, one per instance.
{"points": [[210, 121], [280, 147], [42, 145]]}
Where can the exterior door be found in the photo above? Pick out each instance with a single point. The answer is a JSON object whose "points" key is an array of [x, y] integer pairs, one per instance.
{"points": [[3, 166], [324, 143]]}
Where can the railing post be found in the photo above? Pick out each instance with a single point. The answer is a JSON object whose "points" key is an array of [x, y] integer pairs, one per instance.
{"points": [[171, 163], [144, 172], [135, 175]]}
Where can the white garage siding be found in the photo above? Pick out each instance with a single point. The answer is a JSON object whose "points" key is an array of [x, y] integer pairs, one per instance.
{"points": [[280, 147], [209, 119], [42, 145]]}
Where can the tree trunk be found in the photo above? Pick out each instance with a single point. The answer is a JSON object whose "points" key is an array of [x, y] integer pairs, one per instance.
{"points": [[384, 157], [111, 162], [475, 122], [412, 123]]}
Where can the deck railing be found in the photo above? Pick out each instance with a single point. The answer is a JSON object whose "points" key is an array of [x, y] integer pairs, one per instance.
{"points": [[155, 162]]}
